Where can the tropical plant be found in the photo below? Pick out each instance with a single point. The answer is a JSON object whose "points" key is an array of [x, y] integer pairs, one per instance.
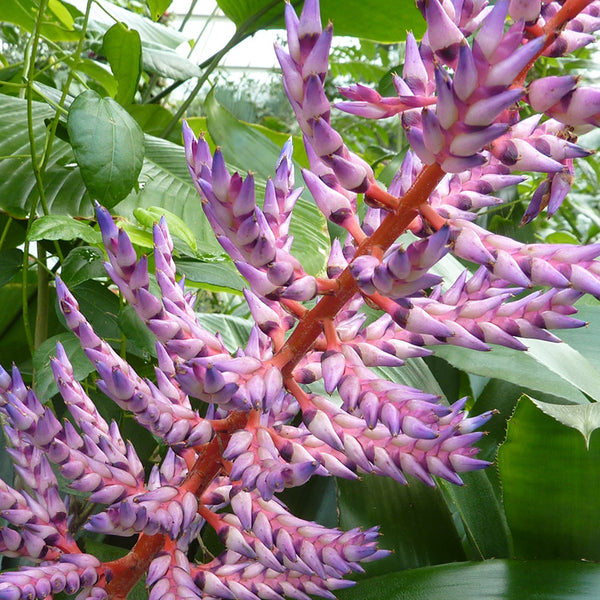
{"points": [[314, 362]]}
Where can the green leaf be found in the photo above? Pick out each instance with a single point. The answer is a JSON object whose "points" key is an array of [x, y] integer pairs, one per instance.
{"points": [[234, 330], [177, 227], [108, 145], [248, 149], [24, 12], [167, 63], [158, 7], [414, 521], [11, 262], [583, 417], [483, 526], [166, 183], [360, 18], [159, 43], [44, 384], [550, 483], [103, 15], [585, 339], [214, 275], [99, 72], [123, 50], [59, 227], [136, 332], [513, 366], [568, 364], [152, 118], [64, 188], [81, 264], [492, 580]]}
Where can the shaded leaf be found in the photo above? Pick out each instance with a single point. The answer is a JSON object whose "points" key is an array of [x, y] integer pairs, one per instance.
{"points": [[81, 264], [568, 364], [414, 521], [550, 482], [493, 580], [108, 145], [44, 384], [483, 526], [11, 262], [123, 50]]}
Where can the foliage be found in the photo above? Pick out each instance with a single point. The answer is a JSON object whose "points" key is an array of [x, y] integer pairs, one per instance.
{"points": [[86, 113]]}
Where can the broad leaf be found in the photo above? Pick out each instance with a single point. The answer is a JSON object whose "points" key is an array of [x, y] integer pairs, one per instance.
{"points": [[585, 418], [360, 18], [513, 366], [493, 580], [23, 13], [218, 276], [479, 516], [65, 190], [45, 386], [568, 364], [108, 145], [414, 521], [234, 330], [123, 50], [59, 227], [11, 262], [550, 482], [81, 264]]}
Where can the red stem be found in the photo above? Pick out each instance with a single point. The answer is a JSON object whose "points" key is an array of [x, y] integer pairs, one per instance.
{"points": [[127, 571], [310, 326]]}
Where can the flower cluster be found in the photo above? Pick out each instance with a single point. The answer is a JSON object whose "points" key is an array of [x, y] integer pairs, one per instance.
{"points": [[302, 398]]}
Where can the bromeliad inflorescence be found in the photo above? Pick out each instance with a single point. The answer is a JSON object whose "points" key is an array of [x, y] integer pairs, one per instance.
{"points": [[266, 426]]}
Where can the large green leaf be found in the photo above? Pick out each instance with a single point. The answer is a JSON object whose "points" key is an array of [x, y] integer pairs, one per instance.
{"points": [[568, 364], [64, 188], [513, 366], [123, 50], [479, 516], [360, 18], [248, 149], [415, 521], [108, 145], [489, 580], [24, 13], [550, 482]]}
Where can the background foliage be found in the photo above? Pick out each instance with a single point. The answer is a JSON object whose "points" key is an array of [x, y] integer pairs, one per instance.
{"points": [[88, 112]]}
